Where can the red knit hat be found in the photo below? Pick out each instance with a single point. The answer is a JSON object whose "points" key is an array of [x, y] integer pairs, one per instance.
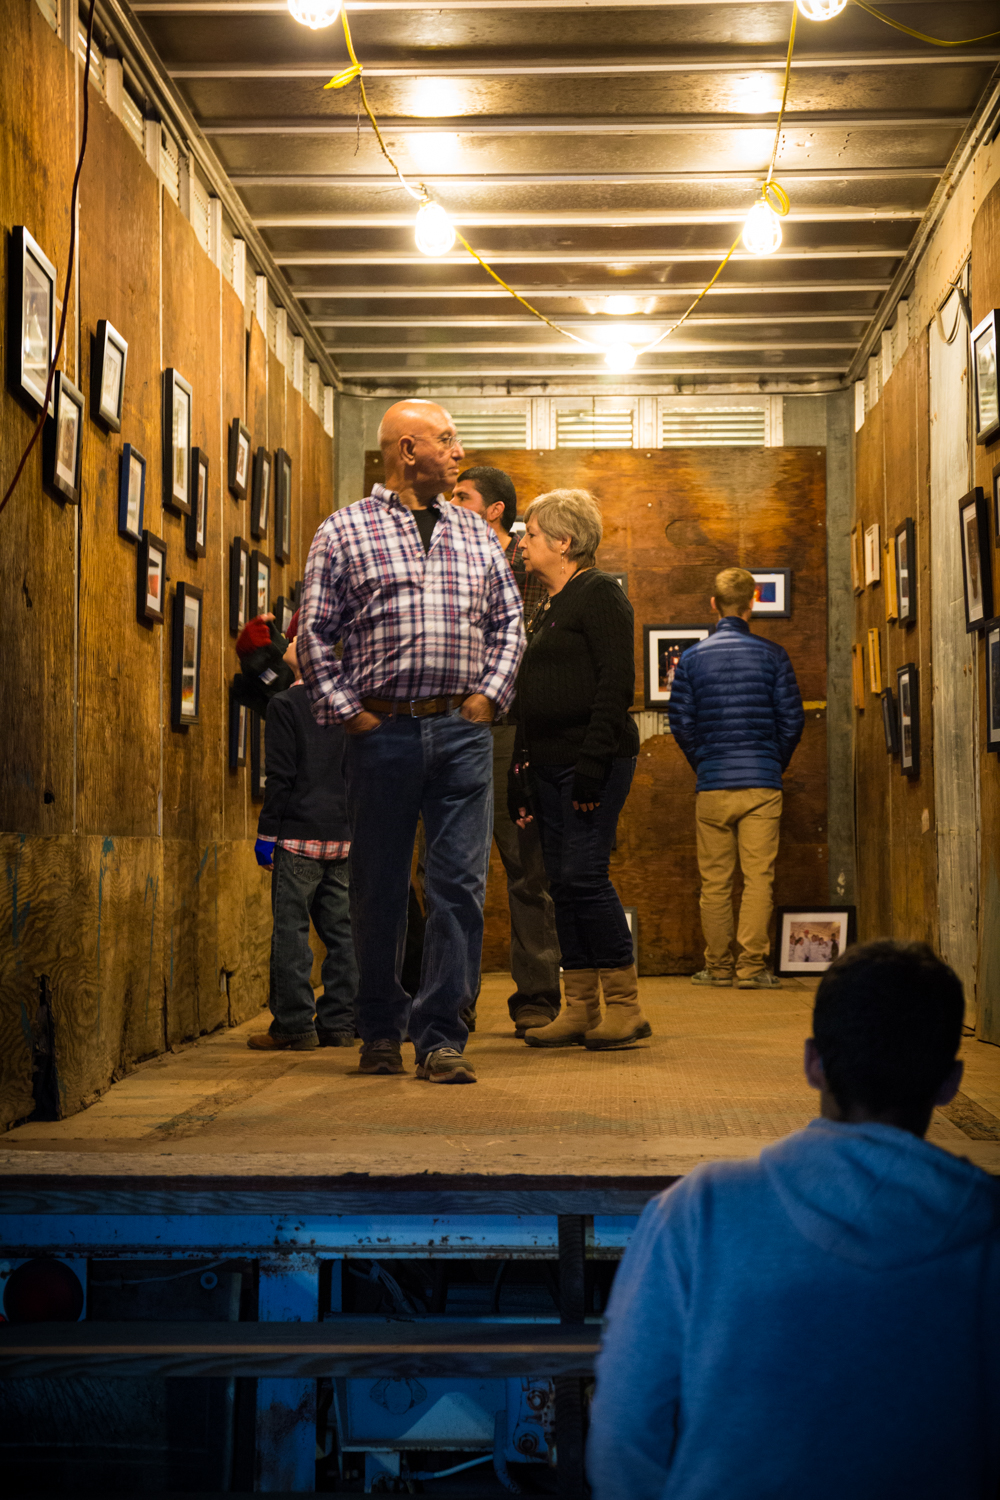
{"points": [[255, 634]]}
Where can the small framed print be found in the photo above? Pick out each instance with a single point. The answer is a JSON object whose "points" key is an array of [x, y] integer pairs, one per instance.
{"points": [[259, 594], [985, 397], [239, 584], [260, 498], [875, 662], [873, 554], [993, 688], [857, 562], [977, 569], [858, 676], [284, 609], [889, 574], [257, 773], [632, 918], [239, 459], [131, 493], [908, 695], [185, 659], [773, 595], [238, 716], [178, 403], [107, 376], [890, 722], [152, 577], [808, 939], [63, 439], [663, 647], [31, 311], [196, 528], [906, 573], [282, 506]]}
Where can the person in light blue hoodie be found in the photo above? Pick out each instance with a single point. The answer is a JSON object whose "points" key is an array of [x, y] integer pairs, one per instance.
{"points": [[822, 1323]]}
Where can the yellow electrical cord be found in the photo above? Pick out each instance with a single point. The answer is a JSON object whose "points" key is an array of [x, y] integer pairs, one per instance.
{"points": [[921, 36]]}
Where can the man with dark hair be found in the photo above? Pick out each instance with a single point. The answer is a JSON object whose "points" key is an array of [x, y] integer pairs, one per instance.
{"points": [[534, 947], [823, 1321]]}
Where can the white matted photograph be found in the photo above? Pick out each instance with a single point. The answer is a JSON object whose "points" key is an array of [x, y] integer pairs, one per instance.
{"points": [[773, 595], [808, 939], [873, 554]]}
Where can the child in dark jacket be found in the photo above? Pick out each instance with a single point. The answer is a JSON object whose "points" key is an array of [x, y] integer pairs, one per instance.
{"points": [[304, 840]]}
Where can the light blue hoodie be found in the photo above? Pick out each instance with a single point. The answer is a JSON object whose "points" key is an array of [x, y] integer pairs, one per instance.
{"points": [[821, 1324]]}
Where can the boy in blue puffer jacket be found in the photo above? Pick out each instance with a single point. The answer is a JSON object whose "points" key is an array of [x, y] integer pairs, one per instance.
{"points": [[736, 711]]}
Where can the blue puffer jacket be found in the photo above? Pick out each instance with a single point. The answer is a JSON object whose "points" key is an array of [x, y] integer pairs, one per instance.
{"points": [[735, 709]]}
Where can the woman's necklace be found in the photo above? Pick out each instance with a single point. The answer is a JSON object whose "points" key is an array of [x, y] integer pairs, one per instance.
{"points": [[543, 609]]}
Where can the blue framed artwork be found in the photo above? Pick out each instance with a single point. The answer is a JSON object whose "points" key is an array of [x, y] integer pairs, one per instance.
{"points": [[131, 493], [773, 599]]}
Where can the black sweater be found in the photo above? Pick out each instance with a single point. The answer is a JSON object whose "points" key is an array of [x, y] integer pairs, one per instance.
{"points": [[577, 679], [304, 790]]}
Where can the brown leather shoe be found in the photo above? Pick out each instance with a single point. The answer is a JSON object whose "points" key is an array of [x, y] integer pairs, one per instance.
{"points": [[266, 1041], [383, 1056]]}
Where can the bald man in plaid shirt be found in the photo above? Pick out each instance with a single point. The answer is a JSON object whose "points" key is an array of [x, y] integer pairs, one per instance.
{"points": [[419, 592]]}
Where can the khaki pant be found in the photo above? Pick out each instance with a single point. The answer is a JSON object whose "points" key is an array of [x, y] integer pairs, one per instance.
{"points": [[745, 823]]}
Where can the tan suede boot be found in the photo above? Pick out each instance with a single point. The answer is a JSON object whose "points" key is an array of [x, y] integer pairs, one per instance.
{"points": [[624, 1023], [581, 1011]]}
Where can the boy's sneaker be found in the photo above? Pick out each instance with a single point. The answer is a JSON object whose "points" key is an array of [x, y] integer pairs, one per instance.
{"points": [[720, 981], [383, 1056], [446, 1066], [764, 980], [328, 1038], [266, 1041]]}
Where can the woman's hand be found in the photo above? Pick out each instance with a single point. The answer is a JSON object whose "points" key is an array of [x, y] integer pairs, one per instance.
{"points": [[586, 793], [524, 817]]}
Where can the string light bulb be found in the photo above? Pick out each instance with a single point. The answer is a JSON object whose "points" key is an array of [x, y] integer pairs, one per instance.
{"points": [[434, 232], [620, 357], [317, 13], [762, 231], [820, 10]]}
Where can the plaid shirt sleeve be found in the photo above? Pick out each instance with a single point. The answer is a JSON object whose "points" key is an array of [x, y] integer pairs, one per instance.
{"points": [[503, 634], [325, 610]]}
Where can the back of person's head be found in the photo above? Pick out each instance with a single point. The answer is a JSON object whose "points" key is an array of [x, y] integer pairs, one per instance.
{"points": [[572, 514], [887, 1024], [496, 488], [734, 591]]}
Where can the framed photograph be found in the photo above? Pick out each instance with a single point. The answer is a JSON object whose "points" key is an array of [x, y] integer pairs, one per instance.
{"points": [[977, 562], [31, 314], [260, 498], [873, 554], [993, 688], [196, 527], [63, 440], [131, 493], [890, 722], [632, 918], [906, 573], [985, 399], [808, 939], [152, 578], [996, 503], [908, 694], [284, 609], [239, 459], [889, 575], [875, 662], [773, 596], [259, 593], [239, 584], [663, 647], [178, 402], [107, 376], [185, 658], [282, 506], [238, 715], [257, 776], [858, 676], [857, 562]]}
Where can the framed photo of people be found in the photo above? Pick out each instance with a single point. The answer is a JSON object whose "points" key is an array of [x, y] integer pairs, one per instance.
{"points": [[282, 506], [196, 527], [977, 561], [239, 459], [773, 596], [807, 939], [259, 596], [62, 444], [131, 493], [993, 687], [152, 579], [906, 574], [178, 402], [260, 498], [908, 698], [185, 658], [238, 717], [107, 375], [31, 311], [985, 396], [239, 584], [663, 647]]}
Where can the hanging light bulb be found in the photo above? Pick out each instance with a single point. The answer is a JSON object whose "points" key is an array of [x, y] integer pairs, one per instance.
{"points": [[620, 357], [821, 10], [762, 231], [434, 231], [316, 13]]}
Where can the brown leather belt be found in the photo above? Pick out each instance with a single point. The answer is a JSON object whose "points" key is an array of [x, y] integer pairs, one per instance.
{"points": [[413, 708]]}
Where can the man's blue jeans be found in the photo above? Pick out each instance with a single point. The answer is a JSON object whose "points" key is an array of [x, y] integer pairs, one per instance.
{"points": [[440, 767], [302, 888]]}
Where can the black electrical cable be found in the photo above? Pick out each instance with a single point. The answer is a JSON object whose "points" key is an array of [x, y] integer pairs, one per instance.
{"points": [[72, 256]]}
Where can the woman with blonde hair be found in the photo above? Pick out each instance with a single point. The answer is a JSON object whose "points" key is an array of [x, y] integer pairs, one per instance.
{"points": [[573, 765]]}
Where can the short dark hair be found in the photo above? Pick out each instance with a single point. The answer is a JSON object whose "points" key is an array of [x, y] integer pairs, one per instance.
{"points": [[888, 1023], [496, 488]]}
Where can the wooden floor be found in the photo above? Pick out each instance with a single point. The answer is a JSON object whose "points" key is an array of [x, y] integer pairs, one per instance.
{"points": [[721, 1077]]}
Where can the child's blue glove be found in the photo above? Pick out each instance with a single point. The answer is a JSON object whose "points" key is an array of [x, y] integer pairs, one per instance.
{"points": [[264, 850]]}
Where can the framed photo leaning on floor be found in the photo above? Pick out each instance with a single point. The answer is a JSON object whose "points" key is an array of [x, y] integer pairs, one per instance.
{"points": [[807, 939]]}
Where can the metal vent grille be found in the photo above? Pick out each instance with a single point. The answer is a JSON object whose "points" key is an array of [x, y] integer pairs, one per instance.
{"points": [[227, 252], [200, 219], [96, 57], [132, 120], [493, 429], [715, 427], [170, 165], [594, 429]]}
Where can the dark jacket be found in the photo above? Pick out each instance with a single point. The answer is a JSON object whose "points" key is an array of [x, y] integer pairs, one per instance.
{"points": [[735, 709], [304, 789]]}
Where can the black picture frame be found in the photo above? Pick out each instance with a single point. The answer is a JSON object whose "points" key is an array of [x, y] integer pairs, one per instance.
{"points": [[282, 506], [977, 559], [257, 768], [908, 701], [985, 390], [996, 503], [890, 722], [178, 412], [185, 656], [152, 578], [239, 584], [239, 716], [31, 313], [780, 607], [131, 493], [62, 440], [260, 497], [992, 639], [196, 526], [259, 592], [107, 375], [283, 609], [904, 562], [658, 672], [238, 459], [802, 933]]}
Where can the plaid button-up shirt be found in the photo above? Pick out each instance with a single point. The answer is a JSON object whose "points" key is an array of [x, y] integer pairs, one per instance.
{"points": [[413, 624]]}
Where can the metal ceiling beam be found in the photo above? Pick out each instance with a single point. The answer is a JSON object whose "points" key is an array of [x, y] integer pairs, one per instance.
{"points": [[609, 219], [574, 179], [623, 258], [646, 323], [358, 7], [539, 293], [540, 372], [678, 346], [582, 125]]}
